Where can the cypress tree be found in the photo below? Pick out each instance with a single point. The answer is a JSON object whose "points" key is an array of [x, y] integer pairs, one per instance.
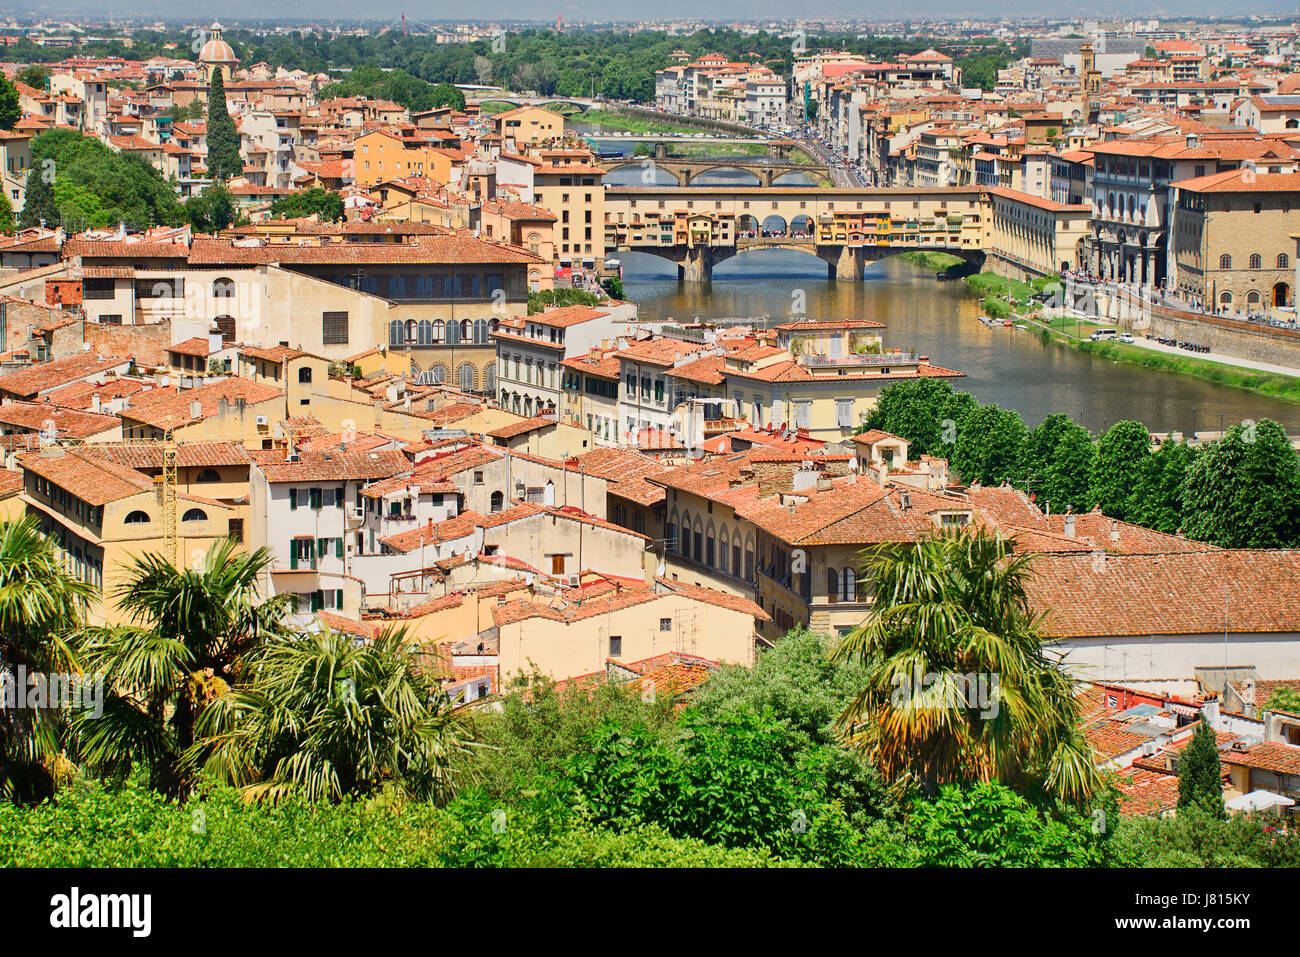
{"points": [[1200, 782], [223, 139]]}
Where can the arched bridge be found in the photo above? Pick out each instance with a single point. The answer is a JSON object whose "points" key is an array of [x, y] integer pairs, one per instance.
{"points": [[700, 226], [766, 169]]}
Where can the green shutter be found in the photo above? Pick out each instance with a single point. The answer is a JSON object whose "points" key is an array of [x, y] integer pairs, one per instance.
{"points": [[317, 600], [338, 548], [321, 545], [315, 498], [293, 554], [338, 598], [338, 496], [293, 499]]}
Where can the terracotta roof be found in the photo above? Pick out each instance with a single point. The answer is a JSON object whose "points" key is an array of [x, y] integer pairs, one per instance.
{"points": [[165, 408], [1168, 594], [337, 466], [92, 479], [460, 248], [69, 423], [567, 316], [520, 428], [44, 376], [188, 454]]}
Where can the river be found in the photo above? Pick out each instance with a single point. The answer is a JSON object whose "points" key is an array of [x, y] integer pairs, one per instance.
{"points": [[1013, 368]]}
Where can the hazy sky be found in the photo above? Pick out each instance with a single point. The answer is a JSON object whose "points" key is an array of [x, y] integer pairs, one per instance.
{"points": [[720, 10]]}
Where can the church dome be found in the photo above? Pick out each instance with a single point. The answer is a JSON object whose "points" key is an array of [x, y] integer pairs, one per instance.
{"points": [[216, 50]]}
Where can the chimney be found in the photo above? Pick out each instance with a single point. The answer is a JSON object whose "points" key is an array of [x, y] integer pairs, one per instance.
{"points": [[1069, 525], [196, 409], [96, 404], [1114, 531], [223, 405]]}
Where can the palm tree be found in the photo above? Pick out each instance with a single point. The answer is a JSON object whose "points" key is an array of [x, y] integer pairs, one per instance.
{"points": [[41, 605], [187, 632], [951, 618], [325, 716]]}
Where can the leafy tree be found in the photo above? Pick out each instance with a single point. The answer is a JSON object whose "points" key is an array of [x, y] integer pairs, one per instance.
{"points": [[324, 718], [325, 204], [1198, 838], [989, 444], [1200, 779], [41, 605], [7, 221], [959, 688], [1283, 699], [990, 825], [35, 76], [11, 110], [1040, 447], [224, 161], [545, 298], [188, 632], [923, 411], [79, 182], [1070, 471], [1122, 453], [211, 210], [1243, 491], [1159, 500]]}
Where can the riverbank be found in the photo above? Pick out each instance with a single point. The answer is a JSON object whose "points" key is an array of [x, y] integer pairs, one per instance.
{"points": [[618, 121], [1219, 372], [939, 262]]}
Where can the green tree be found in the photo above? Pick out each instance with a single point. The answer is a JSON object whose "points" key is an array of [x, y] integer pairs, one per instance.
{"points": [[1243, 491], [1069, 470], [325, 718], [11, 110], [1200, 778], [1159, 501], [224, 161], [989, 445], [959, 687], [1122, 454], [7, 222], [35, 76], [1283, 699], [188, 630], [41, 606], [211, 210], [923, 411], [325, 204]]}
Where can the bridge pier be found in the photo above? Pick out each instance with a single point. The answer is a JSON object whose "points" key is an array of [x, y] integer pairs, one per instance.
{"points": [[849, 264], [696, 264]]}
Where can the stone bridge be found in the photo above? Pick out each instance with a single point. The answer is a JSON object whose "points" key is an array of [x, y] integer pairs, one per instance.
{"points": [[766, 169], [701, 226]]}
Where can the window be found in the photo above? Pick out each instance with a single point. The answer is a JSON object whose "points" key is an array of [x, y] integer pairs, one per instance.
{"points": [[844, 413], [334, 328], [137, 518], [665, 624], [237, 529], [1225, 299], [208, 475], [304, 375], [1283, 261], [802, 413], [1256, 261], [615, 646], [1225, 261], [195, 515], [557, 564], [223, 288]]}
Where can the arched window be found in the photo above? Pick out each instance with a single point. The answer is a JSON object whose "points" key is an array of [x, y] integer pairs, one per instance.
{"points": [[1252, 298], [195, 515], [304, 375], [466, 331], [493, 325], [439, 328], [395, 332], [1225, 299], [832, 585], [490, 378], [1256, 261], [1283, 261], [438, 374], [465, 377], [208, 475], [137, 518], [453, 333], [480, 331], [412, 331], [223, 288], [1225, 261], [498, 500], [1293, 124]]}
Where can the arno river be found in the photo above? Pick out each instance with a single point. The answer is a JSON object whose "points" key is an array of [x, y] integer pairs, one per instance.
{"points": [[1010, 367]]}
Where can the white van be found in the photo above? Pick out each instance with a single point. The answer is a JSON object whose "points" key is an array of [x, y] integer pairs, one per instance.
{"points": [[1101, 335]]}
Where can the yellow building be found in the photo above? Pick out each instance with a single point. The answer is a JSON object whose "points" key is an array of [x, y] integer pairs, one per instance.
{"points": [[529, 125], [571, 185], [381, 156]]}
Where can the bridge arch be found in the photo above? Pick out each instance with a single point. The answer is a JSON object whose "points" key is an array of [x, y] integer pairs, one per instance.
{"points": [[775, 224], [735, 166]]}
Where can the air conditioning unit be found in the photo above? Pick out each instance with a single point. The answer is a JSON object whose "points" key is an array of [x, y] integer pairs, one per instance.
{"points": [[358, 512], [262, 420], [574, 581], [293, 457]]}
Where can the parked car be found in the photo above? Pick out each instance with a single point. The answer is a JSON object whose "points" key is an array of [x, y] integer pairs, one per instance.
{"points": [[1125, 337]]}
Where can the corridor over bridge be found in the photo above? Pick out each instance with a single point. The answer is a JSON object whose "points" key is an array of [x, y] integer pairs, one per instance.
{"points": [[699, 226]]}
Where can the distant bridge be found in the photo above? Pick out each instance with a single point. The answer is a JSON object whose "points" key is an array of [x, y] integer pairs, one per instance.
{"points": [[698, 227]]}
